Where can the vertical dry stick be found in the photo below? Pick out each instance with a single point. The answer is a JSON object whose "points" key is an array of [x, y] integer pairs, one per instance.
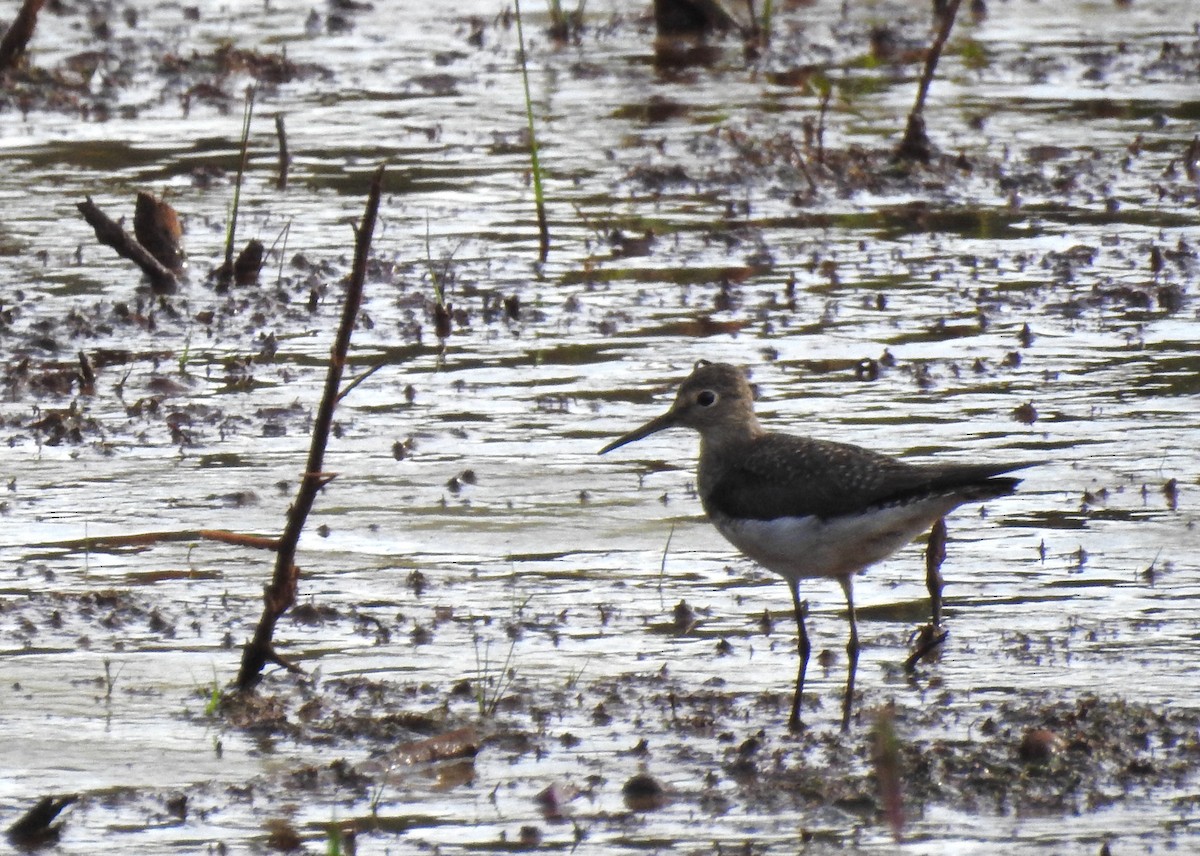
{"points": [[935, 554], [284, 159], [19, 33], [915, 145], [281, 593]]}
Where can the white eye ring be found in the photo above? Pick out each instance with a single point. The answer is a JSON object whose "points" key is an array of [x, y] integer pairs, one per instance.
{"points": [[706, 398]]}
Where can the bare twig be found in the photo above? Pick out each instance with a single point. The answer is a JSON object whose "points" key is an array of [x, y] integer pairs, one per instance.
{"points": [[348, 388], [147, 539], [281, 593], [812, 185]]}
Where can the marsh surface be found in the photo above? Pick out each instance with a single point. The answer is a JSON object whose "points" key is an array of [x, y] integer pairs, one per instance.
{"points": [[1029, 294]]}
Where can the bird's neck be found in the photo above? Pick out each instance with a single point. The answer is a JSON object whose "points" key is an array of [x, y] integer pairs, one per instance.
{"points": [[724, 439], [721, 448]]}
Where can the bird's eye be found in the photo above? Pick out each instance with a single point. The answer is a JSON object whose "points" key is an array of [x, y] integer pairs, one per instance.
{"points": [[707, 398]]}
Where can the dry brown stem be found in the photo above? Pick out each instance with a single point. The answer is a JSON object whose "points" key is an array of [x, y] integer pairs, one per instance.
{"points": [[916, 145], [148, 539], [935, 554], [20, 31], [281, 593], [285, 159]]}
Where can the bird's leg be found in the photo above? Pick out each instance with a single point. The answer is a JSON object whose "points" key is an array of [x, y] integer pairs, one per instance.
{"points": [[851, 650], [931, 635], [935, 554], [794, 722]]}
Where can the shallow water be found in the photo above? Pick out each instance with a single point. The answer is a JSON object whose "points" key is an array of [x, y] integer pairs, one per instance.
{"points": [[550, 581]]}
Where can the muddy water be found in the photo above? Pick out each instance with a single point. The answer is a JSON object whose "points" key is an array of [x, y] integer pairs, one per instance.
{"points": [[683, 227]]}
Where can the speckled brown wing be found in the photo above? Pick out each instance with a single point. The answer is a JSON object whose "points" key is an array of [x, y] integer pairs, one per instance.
{"points": [[780, 475]]}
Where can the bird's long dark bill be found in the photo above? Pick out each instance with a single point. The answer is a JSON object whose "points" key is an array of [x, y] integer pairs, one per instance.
{"points": [[667, 420]]}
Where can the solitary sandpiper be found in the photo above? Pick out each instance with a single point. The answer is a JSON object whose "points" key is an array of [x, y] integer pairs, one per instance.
{"points": [[807, 508]]}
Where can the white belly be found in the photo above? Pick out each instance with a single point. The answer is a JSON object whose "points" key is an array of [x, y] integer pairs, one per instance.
{"points": [[807, 547]]}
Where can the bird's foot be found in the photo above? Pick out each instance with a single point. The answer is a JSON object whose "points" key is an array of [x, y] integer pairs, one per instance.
{"points": [[926, 642]]}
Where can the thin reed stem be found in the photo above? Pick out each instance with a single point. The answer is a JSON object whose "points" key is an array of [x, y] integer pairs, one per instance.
{"points": [[535, 165], [248, 113]]}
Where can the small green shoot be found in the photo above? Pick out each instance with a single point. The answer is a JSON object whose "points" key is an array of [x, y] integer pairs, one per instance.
{"points": [[377, 792], [214, 697], [767, 15], [575, 675], [483, 677], [214, 702], [823, 87], [974, 55], [441, 276], [185, 354], [438, 274], [283, 236]]}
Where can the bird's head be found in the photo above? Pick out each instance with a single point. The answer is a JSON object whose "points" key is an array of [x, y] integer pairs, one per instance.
{"points": [[715, 399]]}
